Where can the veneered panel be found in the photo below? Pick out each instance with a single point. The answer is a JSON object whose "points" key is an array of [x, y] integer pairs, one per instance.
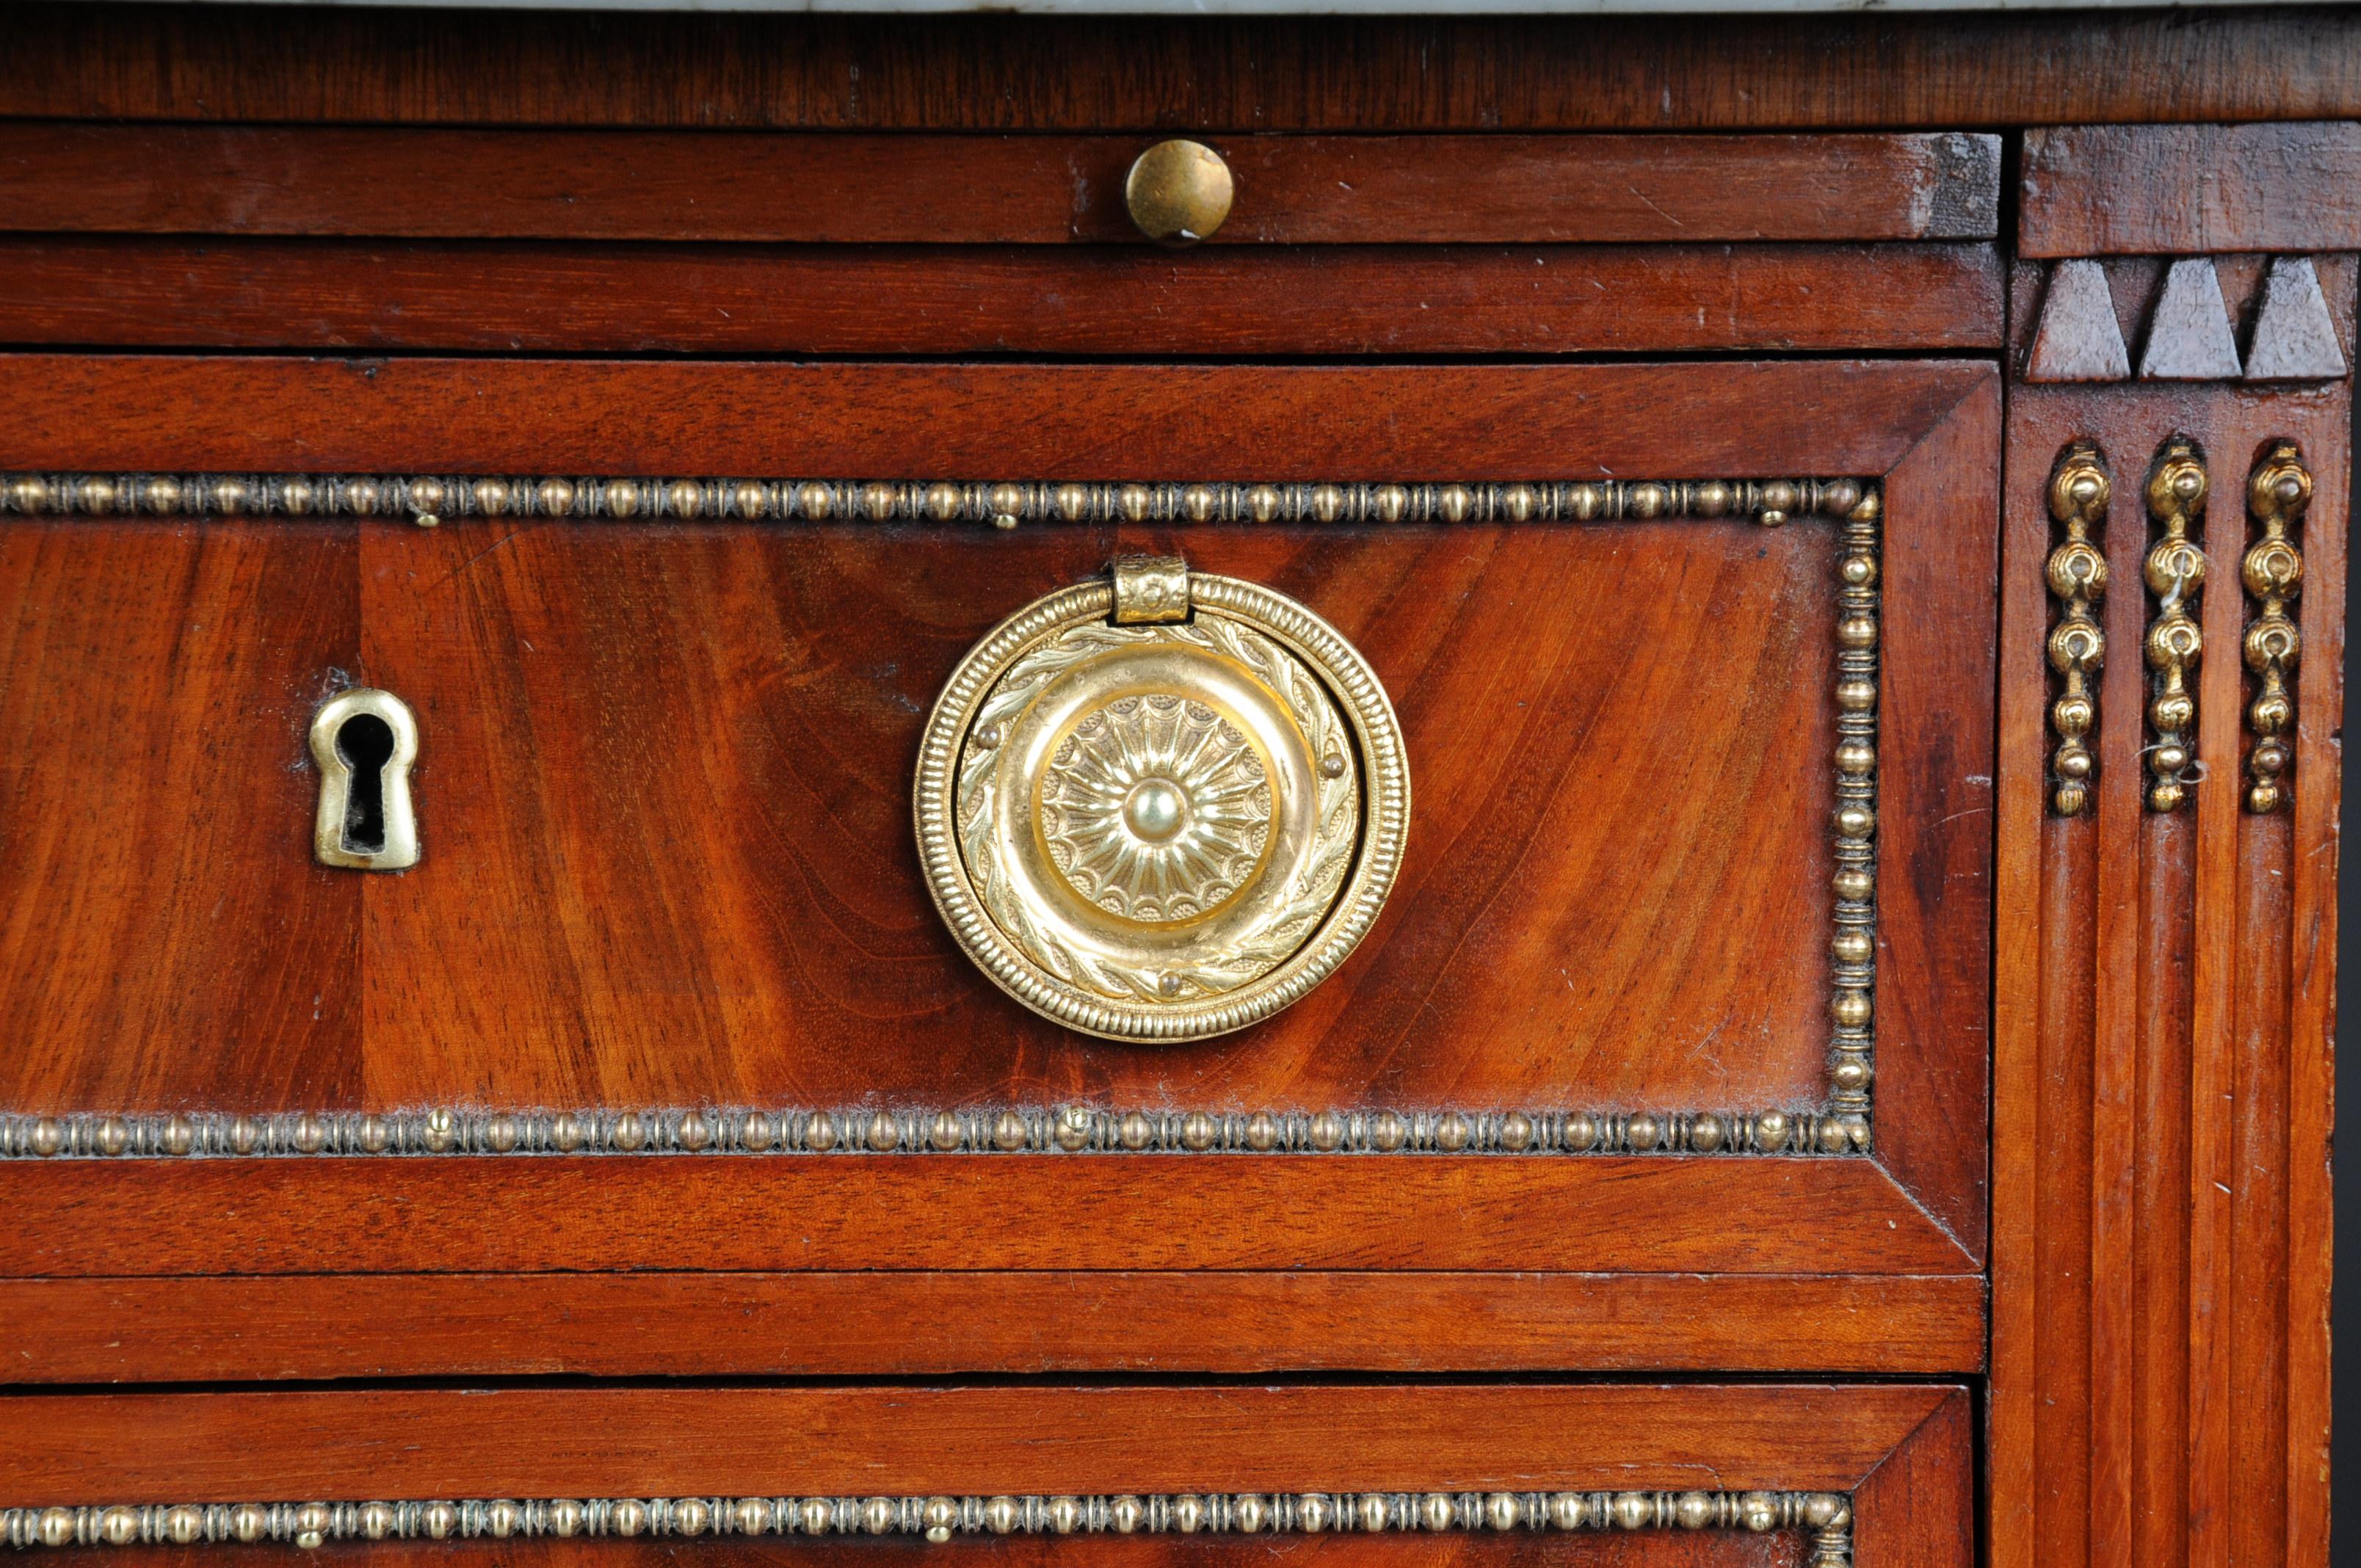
{"points": [[665, 789], [164, 939]]}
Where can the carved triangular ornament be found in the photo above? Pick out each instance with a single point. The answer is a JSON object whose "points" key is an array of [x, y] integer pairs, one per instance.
{"points": [[2188, 336], [2295, 337], [2076, 338]]}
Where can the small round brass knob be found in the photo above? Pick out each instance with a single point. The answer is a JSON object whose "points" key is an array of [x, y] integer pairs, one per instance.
{"points": [[1178, 191]]}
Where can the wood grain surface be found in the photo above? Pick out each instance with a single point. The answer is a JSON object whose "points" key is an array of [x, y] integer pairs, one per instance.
{"points": [[273, 414], [1176, 74], [364, 1444], [158, 896], [254, 1328], [2191, 190], [464, 1215], [1917, 1508], [2163, 1050], [962, 190], [1937, 763], [665, 782], [506, 297]]}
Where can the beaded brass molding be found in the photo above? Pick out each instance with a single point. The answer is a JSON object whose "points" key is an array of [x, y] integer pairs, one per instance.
{"points": [[1854, 949], [1826, 1516], [2278, 493], [1068, 1129], [427, 498], [2079, 494], [1841, 1126], [2176, 576]]}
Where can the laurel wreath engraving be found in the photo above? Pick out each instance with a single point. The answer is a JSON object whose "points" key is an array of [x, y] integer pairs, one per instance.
{"points": [[1309, 896]]}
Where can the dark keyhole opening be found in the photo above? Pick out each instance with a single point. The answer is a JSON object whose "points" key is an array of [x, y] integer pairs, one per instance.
{"points": [[366, 744]]}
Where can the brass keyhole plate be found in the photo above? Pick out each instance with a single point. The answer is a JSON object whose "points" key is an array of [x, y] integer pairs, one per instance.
{"points": [[391, 841], [1162, 831]]}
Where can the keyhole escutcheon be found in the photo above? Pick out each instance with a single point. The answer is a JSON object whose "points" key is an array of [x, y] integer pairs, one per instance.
{"points": [[365, 742]]}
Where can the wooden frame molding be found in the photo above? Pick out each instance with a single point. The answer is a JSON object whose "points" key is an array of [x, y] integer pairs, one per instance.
{"points": [[1643, 1214], [271, 1328], [1885, 1466], [1150, 424]]}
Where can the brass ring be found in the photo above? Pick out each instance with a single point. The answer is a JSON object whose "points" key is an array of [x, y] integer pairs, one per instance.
{"points": [[1162, 831]]}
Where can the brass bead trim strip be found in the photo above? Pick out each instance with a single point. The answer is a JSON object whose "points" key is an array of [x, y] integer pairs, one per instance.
{"points": [[2080, 491], [2176, 576], [1070, 1129], [427, 498], [1853, 949], [1827, 1516], [2278, 493]]}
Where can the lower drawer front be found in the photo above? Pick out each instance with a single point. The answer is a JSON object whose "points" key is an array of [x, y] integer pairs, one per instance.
{"points": [[1757, 1477]]}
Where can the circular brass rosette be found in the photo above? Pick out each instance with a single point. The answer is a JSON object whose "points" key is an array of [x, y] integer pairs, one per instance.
{"points": [[1162, 806]]}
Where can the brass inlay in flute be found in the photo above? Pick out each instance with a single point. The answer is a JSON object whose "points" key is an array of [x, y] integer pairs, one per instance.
{"points": [[2078, 492], [2278, 493], [2175, 575]]}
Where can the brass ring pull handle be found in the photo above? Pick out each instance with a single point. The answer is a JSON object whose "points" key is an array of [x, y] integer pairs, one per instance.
{"points": [[1178, 192], [1163, 805]]}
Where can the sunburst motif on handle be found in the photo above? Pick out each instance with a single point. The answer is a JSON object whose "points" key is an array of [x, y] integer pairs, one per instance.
{"points": [[1157, 808]]}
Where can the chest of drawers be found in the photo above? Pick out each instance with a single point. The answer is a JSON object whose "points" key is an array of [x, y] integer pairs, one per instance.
{"points": [[1607, 834]]}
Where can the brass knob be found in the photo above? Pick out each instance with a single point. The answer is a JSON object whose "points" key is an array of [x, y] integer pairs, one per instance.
{"points": [[1178, 191]]}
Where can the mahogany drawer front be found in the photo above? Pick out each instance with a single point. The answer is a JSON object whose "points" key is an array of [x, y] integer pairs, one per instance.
{"points": [[431, 183], [1764, 1477], [388, 238], [664, 793], [669, 890]]}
